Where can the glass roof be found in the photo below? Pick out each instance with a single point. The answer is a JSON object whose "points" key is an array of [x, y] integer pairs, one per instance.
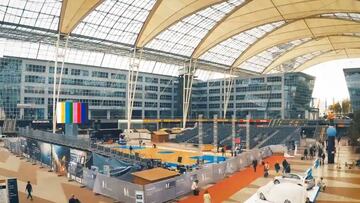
{"points": [[259, 62], [119, 21], [34, 13], [227, 51], [348, 16], [184, 36], [298, 61]]}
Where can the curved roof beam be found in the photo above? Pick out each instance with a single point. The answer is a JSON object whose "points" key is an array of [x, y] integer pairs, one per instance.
{"points": [[334, 55], [72, 12], [312, 27], [318, 44], [166, 13], [260, 12]]}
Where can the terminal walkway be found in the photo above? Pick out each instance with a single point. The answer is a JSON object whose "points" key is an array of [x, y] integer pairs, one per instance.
{"points": [[343, 185], [47, 186]]}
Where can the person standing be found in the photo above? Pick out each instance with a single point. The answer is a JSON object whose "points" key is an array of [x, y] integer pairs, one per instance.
{"points": [[266, 169], [28, 189], [284, 165], [254, 163], [277, 167], [323, 158], [207, 197], [130, 149], [305, 154], [223, 151], [195, 187]]}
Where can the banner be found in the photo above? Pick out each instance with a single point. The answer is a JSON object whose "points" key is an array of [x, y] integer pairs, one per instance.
{"points": [[72, 112], [61, 157], [12, 190], [77, 161]]}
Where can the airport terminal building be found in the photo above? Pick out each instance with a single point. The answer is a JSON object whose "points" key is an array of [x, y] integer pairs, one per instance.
{"points": [[27, 90]]}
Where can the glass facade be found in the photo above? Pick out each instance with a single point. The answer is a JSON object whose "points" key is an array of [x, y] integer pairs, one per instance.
{"points": [[30, 82], [269, 96], [298, 89], [352, 77], [10, 80]]}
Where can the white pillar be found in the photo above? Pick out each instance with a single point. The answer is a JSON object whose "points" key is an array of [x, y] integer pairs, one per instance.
{"points": [[248, 131], [215, 129], [200, 132]]}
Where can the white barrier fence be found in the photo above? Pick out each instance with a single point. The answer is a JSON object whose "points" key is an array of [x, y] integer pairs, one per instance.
{"points": [[167, 189]]}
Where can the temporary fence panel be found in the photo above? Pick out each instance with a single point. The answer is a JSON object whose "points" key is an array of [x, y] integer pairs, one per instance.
{"points": [[232, 165], [205, 175], [117, 189], [219, 171], [183, 185], [89, 177], [161, 191]]}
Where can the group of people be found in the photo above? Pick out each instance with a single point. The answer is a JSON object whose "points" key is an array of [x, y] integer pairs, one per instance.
{"points": [[311, 152]]}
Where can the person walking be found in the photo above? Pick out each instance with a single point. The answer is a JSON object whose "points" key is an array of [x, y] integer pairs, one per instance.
{"points": [[130, 149], [195, 187], [207, 197], [254, 163], [29, 190]]}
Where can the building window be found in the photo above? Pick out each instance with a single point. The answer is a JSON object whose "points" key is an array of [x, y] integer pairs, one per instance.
{"points": [[214, 106], [151, 96], [118, 76], [274, 79], [34, 79], [165, 105], [75, 71], [85, 72], [165, 97], [165, 81], [99, 74], [151, 80], [65, 70], [151, 104], [35, 68], [137, 104], [33, 100], [214, 91], [151, 88], [214, 98], [165, 89]]}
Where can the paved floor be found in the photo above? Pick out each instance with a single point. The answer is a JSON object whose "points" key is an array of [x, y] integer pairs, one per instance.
{"points": [[343, 185], [47, 186]]}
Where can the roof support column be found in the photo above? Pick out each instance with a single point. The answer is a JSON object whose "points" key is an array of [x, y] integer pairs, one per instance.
{"points": [[228, 86], [60, 54], [133, 73], [188, 78]]}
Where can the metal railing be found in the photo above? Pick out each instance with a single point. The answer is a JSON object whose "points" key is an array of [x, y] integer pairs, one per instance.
{"points": [[59, 139]]}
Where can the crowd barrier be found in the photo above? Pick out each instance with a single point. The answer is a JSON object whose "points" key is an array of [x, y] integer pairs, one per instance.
{"points": [[172, 188], [164, 190]]}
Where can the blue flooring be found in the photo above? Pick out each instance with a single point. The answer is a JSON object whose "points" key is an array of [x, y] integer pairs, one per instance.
{"points": [[134, 147], [166, 152], [208, 159]]}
